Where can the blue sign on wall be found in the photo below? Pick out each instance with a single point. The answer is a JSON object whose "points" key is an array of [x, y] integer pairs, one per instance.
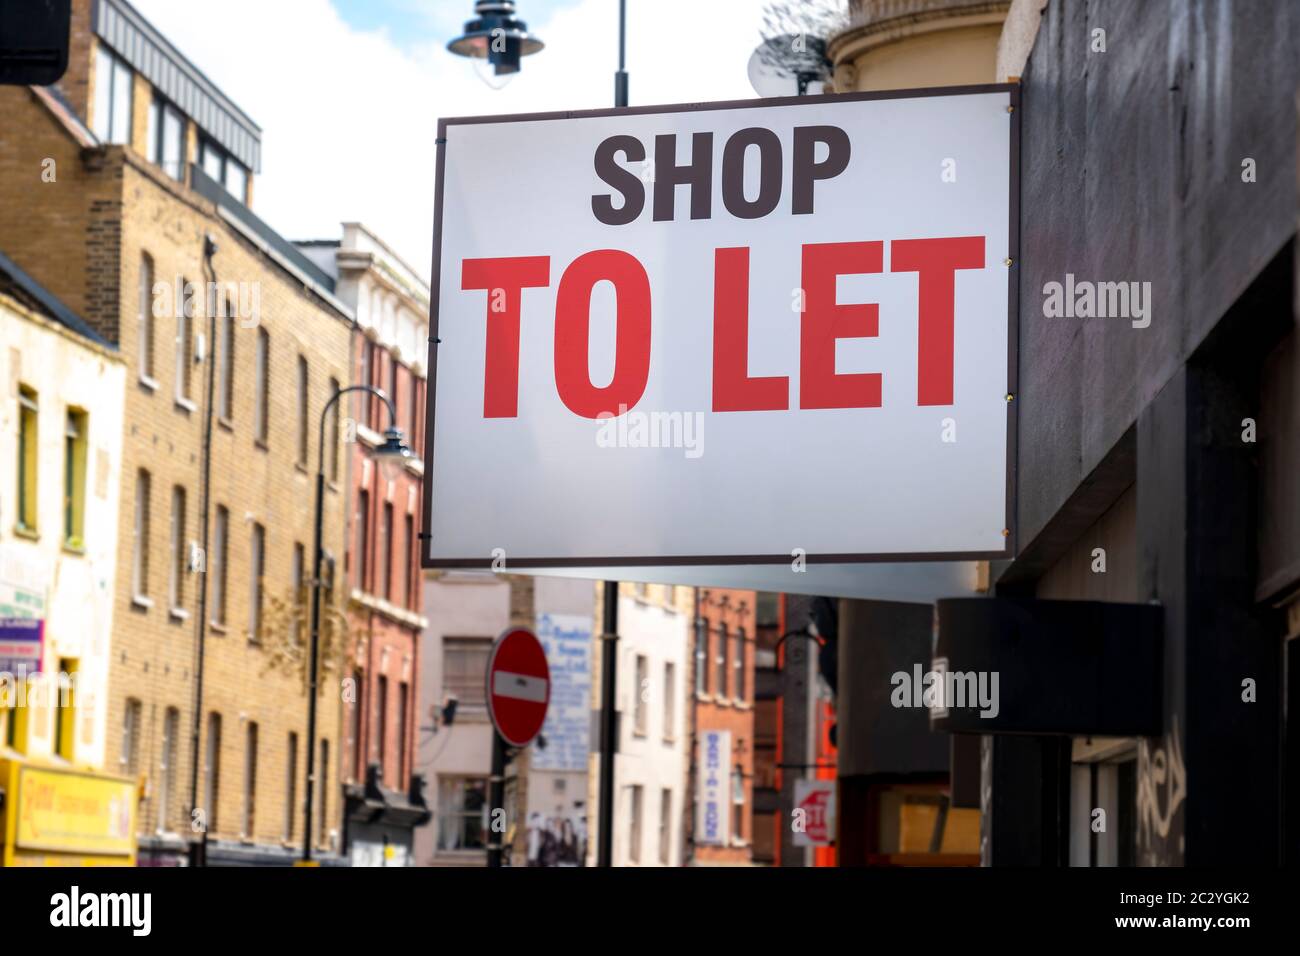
{"points": [[566, 638], [21, 642]]}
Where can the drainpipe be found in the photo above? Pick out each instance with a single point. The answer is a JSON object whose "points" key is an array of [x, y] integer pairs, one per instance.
{"points": [[199, 848]]}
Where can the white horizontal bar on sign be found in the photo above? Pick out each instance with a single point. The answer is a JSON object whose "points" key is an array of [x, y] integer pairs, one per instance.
{"points": [[519, 686], [913, 582]]}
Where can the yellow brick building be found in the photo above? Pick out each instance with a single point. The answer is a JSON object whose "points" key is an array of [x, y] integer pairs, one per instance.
{"points": [[126, 192]]}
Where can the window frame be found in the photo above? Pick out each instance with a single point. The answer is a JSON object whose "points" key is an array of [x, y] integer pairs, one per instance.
{"points": [[248, 821], [304, 410], [262, 388], [220, 554], [107, 128], [640, 712], [670, 702], [184, 347], [452, 808], [179, 562], [27, 517], [161, 111], [256, 581], [471, 696], [212, 770], [148, 324], [140, 538]]}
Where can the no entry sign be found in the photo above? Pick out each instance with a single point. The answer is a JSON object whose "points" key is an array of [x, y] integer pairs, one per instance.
{"points": [[518, 686], [748, 332]]}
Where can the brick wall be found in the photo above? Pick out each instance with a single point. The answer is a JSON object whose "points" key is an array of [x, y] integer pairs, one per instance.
{"points": [[728, 708], [84, 237]]}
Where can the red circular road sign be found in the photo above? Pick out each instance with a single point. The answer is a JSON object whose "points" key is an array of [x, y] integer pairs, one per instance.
{"points": [[518, 686]]}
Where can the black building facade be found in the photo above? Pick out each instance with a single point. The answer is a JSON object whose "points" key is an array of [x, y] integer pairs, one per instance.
{"points": [[1159, 457], [1145, 633]]}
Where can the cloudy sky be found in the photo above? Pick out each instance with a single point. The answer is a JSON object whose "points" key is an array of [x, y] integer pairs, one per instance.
{"points": [[348, 92]]}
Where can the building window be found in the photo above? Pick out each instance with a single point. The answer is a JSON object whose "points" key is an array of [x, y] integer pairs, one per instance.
{"points": [[665, 825], [113, 82], [250, 780], [27, 457], [670, 702], [393, 368], [131, 737], [701, 656], [146, 318], [403, 703], [176, 579], [167, 768], [642, 691], [407, 563], [634, 825], [256, 571], [184, 340], [720, 660], [212, 771], [291, 789], [363, 539], [368, 380], [464, 664], [381, 724], [140, 543], [642, 591], [416, 392], [386, 550], [296, 573], [217, 565], [336, 436], [74, 479], [1111, 786], [322, 824], [302, 411], [226, 368], [262, 398], [65, 710], [738, 805], [167, 138], [738, 666], [224, 169], [237, 180], [358, 705], [462, 813]]}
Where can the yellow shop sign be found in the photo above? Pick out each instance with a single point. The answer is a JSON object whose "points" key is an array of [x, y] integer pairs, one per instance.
{"points": [[67, 811]]}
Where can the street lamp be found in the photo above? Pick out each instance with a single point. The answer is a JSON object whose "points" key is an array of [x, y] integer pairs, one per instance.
{"points": [[495, 39], [391, 454]]}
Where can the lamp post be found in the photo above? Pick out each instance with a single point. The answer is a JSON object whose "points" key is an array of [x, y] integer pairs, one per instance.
{"points": [[497, 39], [609, 635], [394, 449]]}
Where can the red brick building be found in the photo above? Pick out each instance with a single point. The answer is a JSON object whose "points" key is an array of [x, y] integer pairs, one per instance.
{"points": [[383, 796], [723, 675]]}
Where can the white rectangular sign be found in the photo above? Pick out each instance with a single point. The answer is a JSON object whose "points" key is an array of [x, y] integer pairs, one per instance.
{"points": [[739, 333], [713, 782], [814, 809]]}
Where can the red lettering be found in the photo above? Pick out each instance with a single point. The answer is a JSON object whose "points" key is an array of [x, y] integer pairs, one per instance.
{"points": [[825, 321], [503, 279], [573, 333], [733, 388], [936, 261]]}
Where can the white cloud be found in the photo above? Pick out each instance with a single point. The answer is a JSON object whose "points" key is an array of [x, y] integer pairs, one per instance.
{"points": [[349, 117]]}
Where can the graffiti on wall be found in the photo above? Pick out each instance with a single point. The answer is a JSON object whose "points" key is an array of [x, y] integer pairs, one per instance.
{"points": [[1161, 787]]}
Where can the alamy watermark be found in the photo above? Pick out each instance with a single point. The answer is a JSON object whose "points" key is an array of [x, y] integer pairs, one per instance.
{"points": [[940, 689], [629, 429], [1098, 300], [229, 299]]}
